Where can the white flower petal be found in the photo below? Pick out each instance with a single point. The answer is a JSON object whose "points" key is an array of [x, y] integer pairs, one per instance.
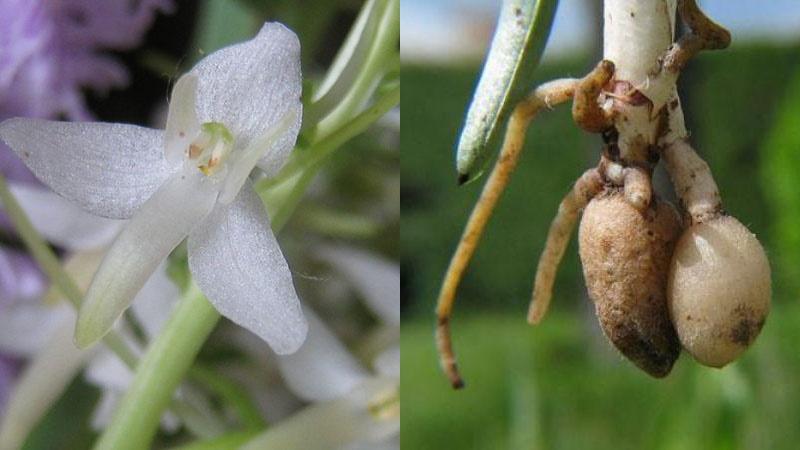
{"points": [[101, 416], [153, 306], [109, 400], [249, 87], [335, 423], [388, 362], [322, 369], [238, 265], [81, 267], [26, 327], [109, 169], [156, 229], [62, 222], [42, 383], [376, 278], [108, 372], [248, 157], [182, 125]]}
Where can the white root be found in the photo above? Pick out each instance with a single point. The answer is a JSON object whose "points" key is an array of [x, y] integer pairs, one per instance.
{"points": [[693, 182]]}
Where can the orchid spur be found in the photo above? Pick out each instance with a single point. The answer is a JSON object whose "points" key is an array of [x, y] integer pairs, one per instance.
{"points": [[238, 108]]}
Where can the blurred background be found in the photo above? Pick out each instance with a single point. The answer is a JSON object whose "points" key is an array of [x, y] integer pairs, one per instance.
{"points": [[116, 62], [562, 385]]}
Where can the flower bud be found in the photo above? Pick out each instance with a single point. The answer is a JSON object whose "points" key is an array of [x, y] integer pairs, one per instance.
{"points": [[626, 256], [719, 290]]}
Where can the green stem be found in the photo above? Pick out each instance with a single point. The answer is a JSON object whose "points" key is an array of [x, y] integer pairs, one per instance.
{"points": [[160, 371], [336, 223], [326, 144], [383, 49], [51, 266], [282, 199]]}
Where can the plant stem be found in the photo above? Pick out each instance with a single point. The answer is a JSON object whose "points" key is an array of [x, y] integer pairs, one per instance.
{"points": [[636, 36], [374, 68], [326, 144], [160, 371]]}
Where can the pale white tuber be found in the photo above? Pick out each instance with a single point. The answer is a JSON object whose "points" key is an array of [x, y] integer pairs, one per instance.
{"points": [[719, 290]]}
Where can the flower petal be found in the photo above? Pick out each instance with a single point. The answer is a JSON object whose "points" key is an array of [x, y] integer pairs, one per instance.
{"points": [[153, 306], [182, 124], [336, 423], [248, 157], [376, 278], [322, 369], [25, 328], [108, 372], [388, 362], [156, 229], [237, 263], [21, 279], [249, 87], [109, 169], [64, 223]]}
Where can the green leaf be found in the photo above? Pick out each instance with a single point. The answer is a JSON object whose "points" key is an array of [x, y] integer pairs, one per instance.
{"points": [[222, 23], [516, 49], [780, 155]]}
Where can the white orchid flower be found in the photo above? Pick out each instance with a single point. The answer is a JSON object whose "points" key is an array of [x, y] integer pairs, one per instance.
{"points": [[237, 108], [352, 408]]}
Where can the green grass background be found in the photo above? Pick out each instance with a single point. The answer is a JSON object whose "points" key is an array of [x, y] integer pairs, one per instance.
{"points": [[561, 385]]}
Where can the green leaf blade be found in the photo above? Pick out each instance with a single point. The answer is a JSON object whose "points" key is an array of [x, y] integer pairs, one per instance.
{"points": [[517, 47]]}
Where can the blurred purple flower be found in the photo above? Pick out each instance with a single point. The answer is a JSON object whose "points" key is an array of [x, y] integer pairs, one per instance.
{"points": [[20, 278], [8, 370], [51, 49]]}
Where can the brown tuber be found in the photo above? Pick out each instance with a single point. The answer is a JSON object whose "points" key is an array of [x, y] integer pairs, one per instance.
{"points": [[719, 290], [626, 256]]}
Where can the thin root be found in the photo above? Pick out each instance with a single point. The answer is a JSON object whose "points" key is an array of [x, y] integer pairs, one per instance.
{"points": [[587, 186], [586, 111], [552, 93], [705, 35]]}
